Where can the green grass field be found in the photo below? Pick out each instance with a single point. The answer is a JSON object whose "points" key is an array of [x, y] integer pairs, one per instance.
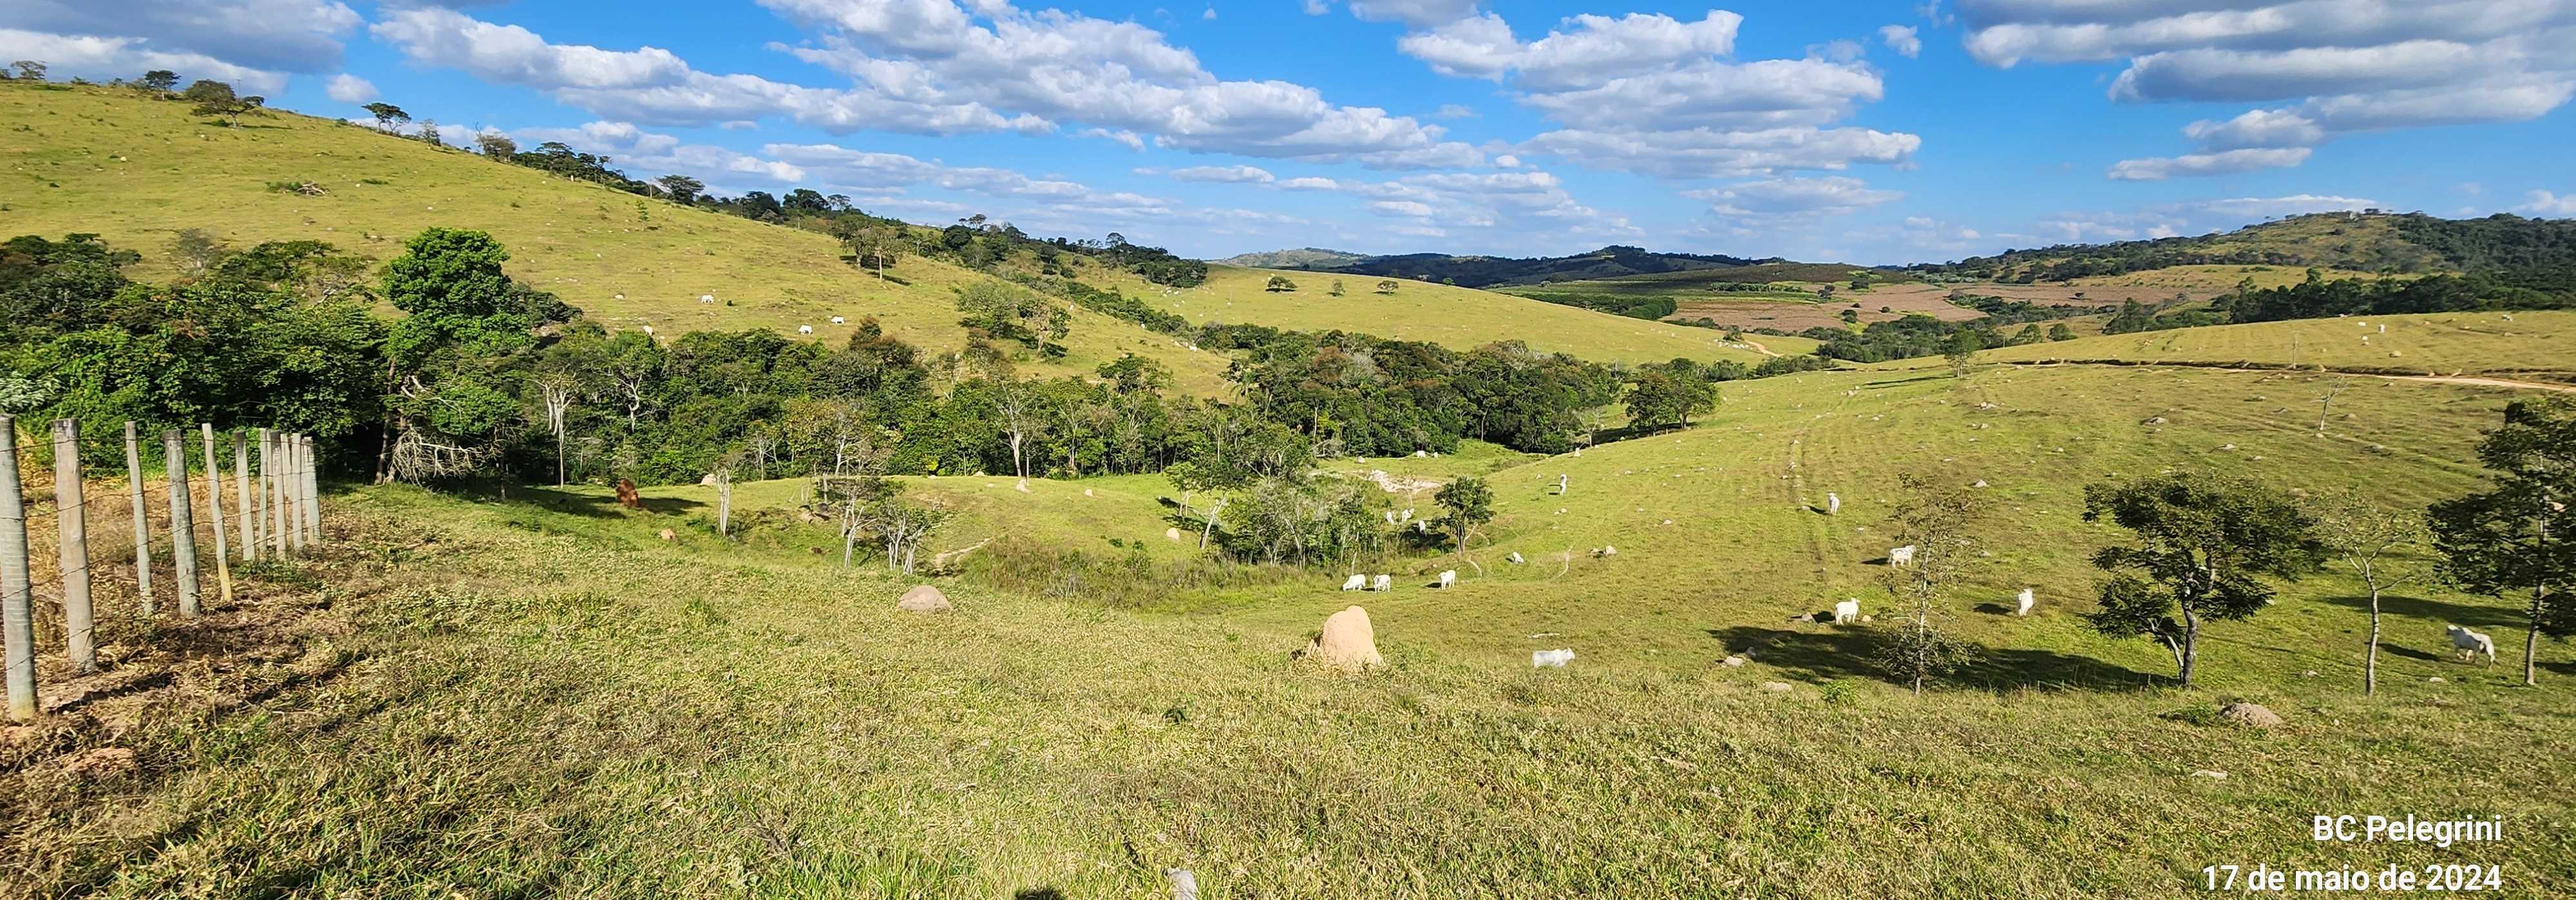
{"points": [[532, 692], [1451, 316], [2533, 345], [137, 171]]}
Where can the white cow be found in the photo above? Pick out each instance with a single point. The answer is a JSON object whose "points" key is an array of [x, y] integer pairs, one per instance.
{"points": [[804, 329], [1900, 556], [1833, 503], [1383, 584], [648, 331], [1515, 558], [1355, 582], [2026, 601], [837, 320], [1422, 526], [1846, 612], [1448, 578], [2470, 644], [1555, 659], [706, 298], [1408, 514]]}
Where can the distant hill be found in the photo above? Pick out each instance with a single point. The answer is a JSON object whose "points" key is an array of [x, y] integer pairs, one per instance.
{"points": [[1300, 258], [1488, 271], [2507, 248]]}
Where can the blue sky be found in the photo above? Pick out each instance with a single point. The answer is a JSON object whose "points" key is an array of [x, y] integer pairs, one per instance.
{"points": [[1854, 131]]}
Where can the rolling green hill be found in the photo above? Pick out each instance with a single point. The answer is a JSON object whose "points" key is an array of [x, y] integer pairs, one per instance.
{"points": [[2536, 344], [137, 171], [1300, 258], [1456, 317], [2508, 248]]}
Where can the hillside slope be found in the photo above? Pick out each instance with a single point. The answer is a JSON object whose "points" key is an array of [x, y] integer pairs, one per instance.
{"points": [[2537, 344], [138, 171], [1456, 317]]}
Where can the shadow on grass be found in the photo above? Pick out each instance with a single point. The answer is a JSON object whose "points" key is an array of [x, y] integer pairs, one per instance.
{"points": [[1847, 652], [598, 506], [1893, 382], [2437, 611]]}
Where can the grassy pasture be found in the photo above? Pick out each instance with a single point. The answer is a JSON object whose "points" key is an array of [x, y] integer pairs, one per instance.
{"points": [[517, 697], [137, 171], [2532, 345], [1456, 317]]}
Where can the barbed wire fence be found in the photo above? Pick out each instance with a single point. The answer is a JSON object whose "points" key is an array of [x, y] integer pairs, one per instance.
{"points": [[274, 513]]}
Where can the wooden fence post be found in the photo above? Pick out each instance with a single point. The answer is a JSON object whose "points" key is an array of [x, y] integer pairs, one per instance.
{"points": [[183, 515], [271, 502], [245, 498], [17, 607], [71, 528], [312, 487], [142, 523], [724, 502], [215, 511]]}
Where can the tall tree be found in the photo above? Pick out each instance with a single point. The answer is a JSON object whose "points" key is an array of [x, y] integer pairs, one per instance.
{"points": [[388, 116], [2515, 537], [159, 81], [2373, 542], [467, 324], [496, 145], [1470, 502], [2201, 541]]}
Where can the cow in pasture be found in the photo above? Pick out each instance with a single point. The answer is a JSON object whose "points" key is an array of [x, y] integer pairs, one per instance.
{"points": [[1901, 556], [626, 495], [1448, 578], [1383, 584], [1355, 582], [2026, 600], [2469, 644], [837, 320], [1846, 612], [1550, 658], [804, 329]]}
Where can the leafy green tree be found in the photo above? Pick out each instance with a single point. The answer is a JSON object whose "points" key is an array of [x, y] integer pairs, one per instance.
{"points": [[1662, 398], [1336, 289], [1851, 316], [388, 116], [2200, 541], [1469, 502], [159, 81], [2516, 537], [2059, 332], [1961, 352], [29, 69], [451, 356], [1386, 285], [1008, 311], [495, 145], [1279, 283]]}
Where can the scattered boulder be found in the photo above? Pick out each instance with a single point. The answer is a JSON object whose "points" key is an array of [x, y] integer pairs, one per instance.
{"points": [[1347, 642], [708, 481], [1172, 534], [1734, 662], [667, 535], [2156, 420], [924, 599], [2250, 715], [1777, 687], [2212, 774]]}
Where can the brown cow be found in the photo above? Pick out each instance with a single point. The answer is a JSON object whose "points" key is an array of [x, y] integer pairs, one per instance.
{"points": [[626, 495]]}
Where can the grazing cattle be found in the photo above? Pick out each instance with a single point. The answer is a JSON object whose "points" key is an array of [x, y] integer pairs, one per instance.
{"points": [[1901, 556], [1560, 485], [2026, 600], [1552, 659], [1383, 584], [1448, 578], [804, 329], [1515, 558], [2470, 644], [706, 298], [648, 331], [1390, 517], [1846, 612], [626, 495], [1408, 514], [1355, 582], [836, 320], [1833, 503]]}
